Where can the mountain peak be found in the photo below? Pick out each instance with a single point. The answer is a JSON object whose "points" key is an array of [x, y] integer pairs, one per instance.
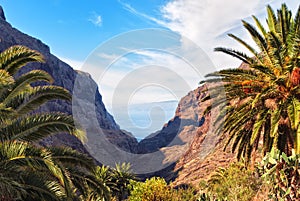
{"points": [[2, 16]]}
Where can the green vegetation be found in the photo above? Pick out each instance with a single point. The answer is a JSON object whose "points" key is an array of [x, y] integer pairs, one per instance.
{"points": [[282, 175], [155, 189], [107, 183], [27, 170], [235, 183], [266, 93]]}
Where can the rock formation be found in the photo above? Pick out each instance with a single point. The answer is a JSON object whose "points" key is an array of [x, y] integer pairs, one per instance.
{"points": [[65, 76], [188, 142]]}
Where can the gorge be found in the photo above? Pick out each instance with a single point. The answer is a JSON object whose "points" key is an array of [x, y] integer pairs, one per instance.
{"points": [[185, 144]]}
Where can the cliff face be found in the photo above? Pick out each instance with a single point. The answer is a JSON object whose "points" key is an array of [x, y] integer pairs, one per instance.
{"points": [[65, 76], [180, 130], [184, 139], [189, 142]]}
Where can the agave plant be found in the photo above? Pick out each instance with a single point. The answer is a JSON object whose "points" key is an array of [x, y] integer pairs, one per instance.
{"points": [[262, 101], [282, 175]]}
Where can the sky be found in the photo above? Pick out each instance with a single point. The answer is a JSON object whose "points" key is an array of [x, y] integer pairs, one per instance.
{"points": [[145, 55]]}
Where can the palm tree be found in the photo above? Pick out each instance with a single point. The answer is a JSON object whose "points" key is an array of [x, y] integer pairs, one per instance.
{"points": [[26, 173], [29, 171], [98, 185], [121, 177], [21, 99], [105, 182], [262, 99]]}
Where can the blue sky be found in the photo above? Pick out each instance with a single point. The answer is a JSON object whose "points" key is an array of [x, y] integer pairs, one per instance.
{"points": [[75, 30]]}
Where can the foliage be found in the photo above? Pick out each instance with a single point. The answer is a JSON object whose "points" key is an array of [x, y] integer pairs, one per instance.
{"points": [[235, 182], [105, 183], [261, 101], [155, 189], [282, 175], [121, 176], [28, 171]]}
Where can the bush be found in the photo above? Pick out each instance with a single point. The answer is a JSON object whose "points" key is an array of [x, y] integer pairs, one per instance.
{"points": [[157, 189], [235, 183]]}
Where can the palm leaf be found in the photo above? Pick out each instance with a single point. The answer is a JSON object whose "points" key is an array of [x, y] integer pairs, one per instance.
{"points": [[27, 101], [257, 127], [35, 127], [271, 20], [15, 57], [293, 110]]}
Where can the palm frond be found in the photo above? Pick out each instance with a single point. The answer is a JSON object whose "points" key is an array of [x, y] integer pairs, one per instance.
{"points": [[15, 57], [35, 127], [27, 101], [240, 55], [271, 20]]}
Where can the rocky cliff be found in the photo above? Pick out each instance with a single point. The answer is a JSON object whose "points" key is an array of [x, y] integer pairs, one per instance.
{"points": [[65, 76], [206, 151], [189, 142]]}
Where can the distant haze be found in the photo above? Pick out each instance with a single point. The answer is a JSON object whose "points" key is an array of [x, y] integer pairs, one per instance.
{"points": [[145, 118]]}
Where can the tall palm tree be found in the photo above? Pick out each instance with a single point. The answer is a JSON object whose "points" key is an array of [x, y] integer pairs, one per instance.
{"points": [[262, 99], [29, 171]]}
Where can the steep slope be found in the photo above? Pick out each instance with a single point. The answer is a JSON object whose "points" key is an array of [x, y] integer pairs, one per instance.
{"points": [[206, 151], [186, 137], [188, 142], [65, 76], [180, 130]]}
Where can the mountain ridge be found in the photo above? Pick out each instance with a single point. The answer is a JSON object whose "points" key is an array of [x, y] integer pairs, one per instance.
{"points": [[64, 76]]}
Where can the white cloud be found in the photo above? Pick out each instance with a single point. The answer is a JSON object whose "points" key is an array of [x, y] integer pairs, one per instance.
{"points": [[132, 10], [207, 22], [147, 72], [77, 65], [96, 19], [108, 56]]}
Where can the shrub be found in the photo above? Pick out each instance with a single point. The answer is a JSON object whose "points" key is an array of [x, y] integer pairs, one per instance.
{"points": [[235, 182], [157, 189]]}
